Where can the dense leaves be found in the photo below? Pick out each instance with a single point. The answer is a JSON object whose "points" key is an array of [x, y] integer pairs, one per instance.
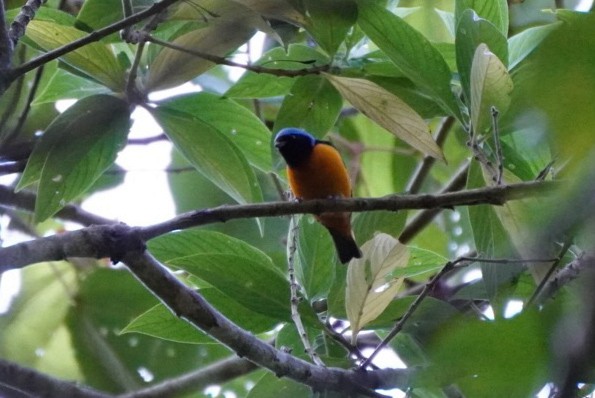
{"points": [[498, 93]]}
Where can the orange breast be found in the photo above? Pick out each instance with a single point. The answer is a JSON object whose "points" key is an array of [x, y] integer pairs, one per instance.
{"points": [[324, 175]]}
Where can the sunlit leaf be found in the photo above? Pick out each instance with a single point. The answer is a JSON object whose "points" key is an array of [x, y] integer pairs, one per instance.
{"points": [[369, 287], [411, 52], [212, 153], [75, 150], [491, 86], [388, 111], [95, 59], [312, 104]]}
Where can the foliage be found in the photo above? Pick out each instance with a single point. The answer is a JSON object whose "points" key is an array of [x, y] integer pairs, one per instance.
{"points": [[508, 90]]}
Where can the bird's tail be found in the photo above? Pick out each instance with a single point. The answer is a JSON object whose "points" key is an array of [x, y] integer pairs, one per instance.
{"points": [[345, 245]]}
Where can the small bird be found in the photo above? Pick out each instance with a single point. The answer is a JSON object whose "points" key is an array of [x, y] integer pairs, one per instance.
{"points": [[316, 171]]}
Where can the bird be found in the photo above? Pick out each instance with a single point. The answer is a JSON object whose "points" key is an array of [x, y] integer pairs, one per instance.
{"points": [[315, 170]]}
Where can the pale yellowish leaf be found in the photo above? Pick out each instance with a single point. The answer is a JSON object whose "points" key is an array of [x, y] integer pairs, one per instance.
{"points": [[389, 111], [173, 67], [370, 288], [96, 60], [275, 9], [491, 86]]}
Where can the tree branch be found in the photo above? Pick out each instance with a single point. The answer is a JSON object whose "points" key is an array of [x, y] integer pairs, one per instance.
{"points": [[26, 201], [496, 195], [216, 373], [18, 26], [37, 384], [188, 304], [90, 38], [6, 48], [114, 240]]}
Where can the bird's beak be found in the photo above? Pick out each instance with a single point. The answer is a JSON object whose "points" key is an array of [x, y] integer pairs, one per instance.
{"points": [[280, 144]]}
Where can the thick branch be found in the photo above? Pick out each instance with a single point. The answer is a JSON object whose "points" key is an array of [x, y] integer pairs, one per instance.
{"points": [[116, 239], [37, 384], [491, 195], [190, 305]]}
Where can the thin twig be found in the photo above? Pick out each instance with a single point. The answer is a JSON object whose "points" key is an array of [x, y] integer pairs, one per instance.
{"points": [[419, 176], [253, 68], [421, 220], [449, 266], [497, 145], [30, 97], [295, 299], [6, 47], [90, 38]]}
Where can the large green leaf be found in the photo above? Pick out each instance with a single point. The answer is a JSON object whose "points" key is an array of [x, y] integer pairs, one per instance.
{"points": [[491, 86], [245, 130], [172, 67], [388, 111], [491, 241], [508, 357], [411, 52], [238, 270], [471, 32], [315, 265], [260, 85], [523, 44], [33, 321], [160, 322], [96, 14], [95, 59], [495, 11], [75, 150], [328, 21], [271, 386], [312, 104], [64, 85], [212, 152]]}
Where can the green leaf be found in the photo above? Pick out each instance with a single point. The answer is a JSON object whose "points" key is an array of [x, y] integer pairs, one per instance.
{"points": [[37, 312], [412, 53], [315, 265], [523, 44], [244, 129], [370, 289], [388, 111], [491, 241], [96, 14], [496, 12], [312, 104], [328, 21], [95, 59], [474, 355], [238, 270], [173, 67], [271, 386], [160, 322], [261, 85], [491, 86], [421, 261], [213, 153], [471, 32], [64, 85], [367, 224], [77, 147]]}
